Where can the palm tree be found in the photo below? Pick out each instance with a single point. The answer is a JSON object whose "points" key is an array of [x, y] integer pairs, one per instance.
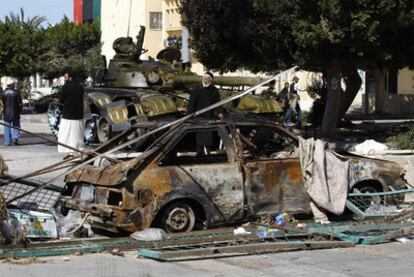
{"points": [[19, 19]]}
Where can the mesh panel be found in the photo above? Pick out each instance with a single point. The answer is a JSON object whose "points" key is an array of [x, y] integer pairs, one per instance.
{"points": [[42, 199]]}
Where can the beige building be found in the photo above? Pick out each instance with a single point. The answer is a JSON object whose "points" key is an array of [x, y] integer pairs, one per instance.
{"points": [[173, 30], [397, 97], [121, 18]]}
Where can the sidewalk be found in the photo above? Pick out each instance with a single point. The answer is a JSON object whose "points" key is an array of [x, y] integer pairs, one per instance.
{"points": [[33, 152]]}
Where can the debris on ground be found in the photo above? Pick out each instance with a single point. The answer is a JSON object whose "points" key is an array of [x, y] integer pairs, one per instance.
{"points": [[74, 224], [370, 147], [117, 252], [241, 231], [26, 261], [34, 224], [149, 234]]}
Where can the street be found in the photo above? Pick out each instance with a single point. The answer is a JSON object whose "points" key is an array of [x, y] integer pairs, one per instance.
{"points": [[391, 259]]}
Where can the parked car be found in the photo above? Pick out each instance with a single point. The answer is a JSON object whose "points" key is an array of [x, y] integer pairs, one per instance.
{"points": [[249, 172]]}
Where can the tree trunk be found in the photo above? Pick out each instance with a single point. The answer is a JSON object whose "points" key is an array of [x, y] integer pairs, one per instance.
{"points": [[353, 84], [330, 115], [380, 90]]}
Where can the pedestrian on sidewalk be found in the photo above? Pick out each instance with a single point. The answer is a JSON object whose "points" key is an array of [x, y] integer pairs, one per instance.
{"points": [[12, 107], [71, 129]]}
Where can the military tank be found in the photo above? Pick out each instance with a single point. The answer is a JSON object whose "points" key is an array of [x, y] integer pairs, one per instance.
{"points": [[132, 90]]}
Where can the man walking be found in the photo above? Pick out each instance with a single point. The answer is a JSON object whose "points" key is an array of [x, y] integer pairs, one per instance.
{"points": [[71, 129], [293, 104], [12, 107], [201, 97]]}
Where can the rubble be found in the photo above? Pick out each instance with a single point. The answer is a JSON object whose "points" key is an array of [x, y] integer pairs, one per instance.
{"points": [[370, 147], [149, 234]]}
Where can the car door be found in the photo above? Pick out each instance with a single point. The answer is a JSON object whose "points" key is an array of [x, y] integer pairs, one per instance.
{"points": [[217, 173], [272, 185]]}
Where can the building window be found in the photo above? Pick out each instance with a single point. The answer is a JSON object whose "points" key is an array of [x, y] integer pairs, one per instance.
{"points": [[155, 21], [392, 84]]}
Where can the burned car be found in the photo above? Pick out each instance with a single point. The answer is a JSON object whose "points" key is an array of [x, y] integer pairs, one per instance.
{"points": [[249, 172]]}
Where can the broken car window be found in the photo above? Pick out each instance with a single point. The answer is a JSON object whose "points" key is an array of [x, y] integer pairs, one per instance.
{"points": [[264, 142], [187, 149]]}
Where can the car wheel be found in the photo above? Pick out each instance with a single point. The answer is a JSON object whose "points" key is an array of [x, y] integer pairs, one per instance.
{"points": [[178, 217], [104, 130], [366, 201], [54, 114], [91, 129]]}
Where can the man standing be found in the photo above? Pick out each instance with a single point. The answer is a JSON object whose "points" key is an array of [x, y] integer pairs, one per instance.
{"points": [[283, 97], [12, 107], [293, 104], [71, 129], [201, 97]]}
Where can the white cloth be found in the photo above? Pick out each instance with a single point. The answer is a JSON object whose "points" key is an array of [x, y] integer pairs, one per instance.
{"points": [[325, 174], [71, 133]]}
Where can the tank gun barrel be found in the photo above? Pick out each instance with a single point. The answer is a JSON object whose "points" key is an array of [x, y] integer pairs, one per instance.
{"points": [[229, 81]]}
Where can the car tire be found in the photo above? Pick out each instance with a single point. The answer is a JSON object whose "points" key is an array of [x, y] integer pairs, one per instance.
{"points": [[91, 129], [54, 115], [366, 201], [178, 217], [103, 130]]}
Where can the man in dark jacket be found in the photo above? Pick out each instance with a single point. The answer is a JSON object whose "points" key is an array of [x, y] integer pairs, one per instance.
{"points": [[12, 104], [293, 104], [201, 97], [71, 128]]}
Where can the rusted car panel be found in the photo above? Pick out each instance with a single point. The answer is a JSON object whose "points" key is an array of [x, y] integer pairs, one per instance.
{"points": [[237, 181], [386, 173], [276, 186], [104, 176]]}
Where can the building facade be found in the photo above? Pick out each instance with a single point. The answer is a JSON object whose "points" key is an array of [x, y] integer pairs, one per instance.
{"points": [[121, 18]]}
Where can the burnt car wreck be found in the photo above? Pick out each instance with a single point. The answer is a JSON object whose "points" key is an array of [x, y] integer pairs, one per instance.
{"points": [[250, 171]]}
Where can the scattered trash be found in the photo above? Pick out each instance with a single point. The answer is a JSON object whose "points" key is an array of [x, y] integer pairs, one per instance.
{"points": [[281, 219], [375, 209], [35, 224], [116, 252], [73, 224], [403, 240], [241, 231], [149, 234], [370, 147]]}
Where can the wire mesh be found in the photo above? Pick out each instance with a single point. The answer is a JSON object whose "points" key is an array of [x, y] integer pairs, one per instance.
{"points": [[380, 203], [42, 199]]}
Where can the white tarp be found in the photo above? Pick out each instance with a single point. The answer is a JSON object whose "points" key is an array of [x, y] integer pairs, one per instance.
{"points": [[326, 177]]}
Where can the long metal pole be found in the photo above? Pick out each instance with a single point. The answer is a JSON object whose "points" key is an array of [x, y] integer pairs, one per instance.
{"points": [[176, 122], [129, 17]]}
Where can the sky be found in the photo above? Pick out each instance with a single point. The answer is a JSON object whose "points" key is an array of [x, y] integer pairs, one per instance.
{"points": [[53, 10]]}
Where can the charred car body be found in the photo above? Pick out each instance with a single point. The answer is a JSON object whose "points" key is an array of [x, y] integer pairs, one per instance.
{"points": [[249, 172]]}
